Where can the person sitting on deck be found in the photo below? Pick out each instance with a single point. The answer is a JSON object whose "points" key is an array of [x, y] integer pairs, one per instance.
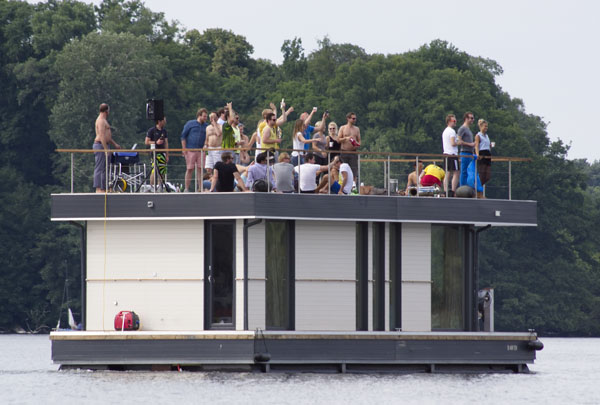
{"points": [[433, 175], [342, 176], [334, 174], [260, 171], [413, 179], [307, 173], [284, 174], [224, 174]]}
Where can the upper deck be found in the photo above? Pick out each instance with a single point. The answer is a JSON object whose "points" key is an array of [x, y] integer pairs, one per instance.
{"points": [[165, 206], [379, 169]]}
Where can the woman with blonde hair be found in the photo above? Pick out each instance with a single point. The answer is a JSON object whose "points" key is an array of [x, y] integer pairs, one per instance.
{"points": [[319, 145], [483, 151], [333, 146], [298, 141]]}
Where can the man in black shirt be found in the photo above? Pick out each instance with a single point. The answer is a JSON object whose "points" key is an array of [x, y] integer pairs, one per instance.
{"points": [[224, 173], [157, 135]]}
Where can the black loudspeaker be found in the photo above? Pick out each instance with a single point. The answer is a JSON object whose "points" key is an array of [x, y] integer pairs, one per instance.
{"points": [[155, 110]]}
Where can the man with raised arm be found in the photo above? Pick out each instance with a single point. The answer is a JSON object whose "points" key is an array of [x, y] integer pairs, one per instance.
{"points": [[349, 139], [214, 140], [228, 129], [101, 143], [271, 131]]}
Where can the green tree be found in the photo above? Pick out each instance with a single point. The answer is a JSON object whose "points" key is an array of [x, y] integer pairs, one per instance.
{"points": [[120, 16]]}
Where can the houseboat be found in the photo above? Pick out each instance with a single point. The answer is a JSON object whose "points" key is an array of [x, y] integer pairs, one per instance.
{"points": [[288, 282]]}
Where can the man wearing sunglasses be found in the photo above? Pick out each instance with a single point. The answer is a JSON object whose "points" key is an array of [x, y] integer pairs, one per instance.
{"points": [[451, 153], [349, 139]]}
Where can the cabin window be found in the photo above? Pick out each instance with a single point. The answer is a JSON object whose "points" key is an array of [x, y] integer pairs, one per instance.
{"points": [[447, 275], [362, 275], [378, 276], [279, 262], [395, 276]]}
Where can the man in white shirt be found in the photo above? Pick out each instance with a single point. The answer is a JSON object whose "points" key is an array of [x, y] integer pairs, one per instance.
{"points": [[450, 145], [307, 173], [346, 177]]}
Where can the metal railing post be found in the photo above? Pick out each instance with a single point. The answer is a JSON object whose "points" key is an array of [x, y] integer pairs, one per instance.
{"points": [[196, 174], [268, 171], [202, 164], [154, 167], [446, 179], [417, 174], [106, 173], [72, 171], [509, 180], [388, 176], [328, 172], [475, 179], [358, 180], [299, 174]]}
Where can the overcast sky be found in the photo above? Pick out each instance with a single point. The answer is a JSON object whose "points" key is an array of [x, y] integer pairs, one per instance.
{"points": [[548, 48]]}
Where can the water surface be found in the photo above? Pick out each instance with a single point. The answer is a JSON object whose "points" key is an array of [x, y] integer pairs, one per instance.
{"points": [[567, 371]]}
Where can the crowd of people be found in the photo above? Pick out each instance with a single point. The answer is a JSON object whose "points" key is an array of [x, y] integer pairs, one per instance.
{"points": [[462, 150], [474, 149], [324, 158], [319, 163]]}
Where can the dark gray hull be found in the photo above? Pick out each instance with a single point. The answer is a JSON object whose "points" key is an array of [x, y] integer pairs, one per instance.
{"points": [[296, 351]]}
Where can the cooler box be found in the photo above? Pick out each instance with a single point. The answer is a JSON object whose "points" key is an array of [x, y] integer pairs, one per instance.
{"points": [[125, 158]]}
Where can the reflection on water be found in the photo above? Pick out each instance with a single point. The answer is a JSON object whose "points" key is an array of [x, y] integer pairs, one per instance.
{"points": [[567, 371]]}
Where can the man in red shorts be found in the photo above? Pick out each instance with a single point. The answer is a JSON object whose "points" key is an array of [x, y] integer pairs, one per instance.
{"points": [[432, 175]]}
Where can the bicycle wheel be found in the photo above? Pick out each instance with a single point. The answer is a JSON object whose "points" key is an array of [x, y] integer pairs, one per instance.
{"points": [[120, 185]]}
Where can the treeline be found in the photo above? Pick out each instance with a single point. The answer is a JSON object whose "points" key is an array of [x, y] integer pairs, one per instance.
{"points": [[60, 59]]}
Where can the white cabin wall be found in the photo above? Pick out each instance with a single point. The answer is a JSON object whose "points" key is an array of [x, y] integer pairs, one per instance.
{"points": [[325, 275], [155, 268], [256, 277], [416, 277]]}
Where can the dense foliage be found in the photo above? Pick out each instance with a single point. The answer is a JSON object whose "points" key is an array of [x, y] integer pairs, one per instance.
{"points": [[60, 59]]}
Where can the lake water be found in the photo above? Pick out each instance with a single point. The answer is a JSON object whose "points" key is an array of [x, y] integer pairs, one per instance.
{"points": [[567, 371]]}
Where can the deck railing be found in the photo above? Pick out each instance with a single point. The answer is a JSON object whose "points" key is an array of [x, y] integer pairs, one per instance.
{"points": [[386, 172]]}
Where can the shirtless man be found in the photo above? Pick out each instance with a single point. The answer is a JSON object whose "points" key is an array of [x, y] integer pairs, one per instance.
{"points": [[349, 139], [413, 179], [101, 143], [214, 139]]}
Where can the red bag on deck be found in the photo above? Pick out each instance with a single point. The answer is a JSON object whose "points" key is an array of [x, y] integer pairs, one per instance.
{"points": [[127, 320]]}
